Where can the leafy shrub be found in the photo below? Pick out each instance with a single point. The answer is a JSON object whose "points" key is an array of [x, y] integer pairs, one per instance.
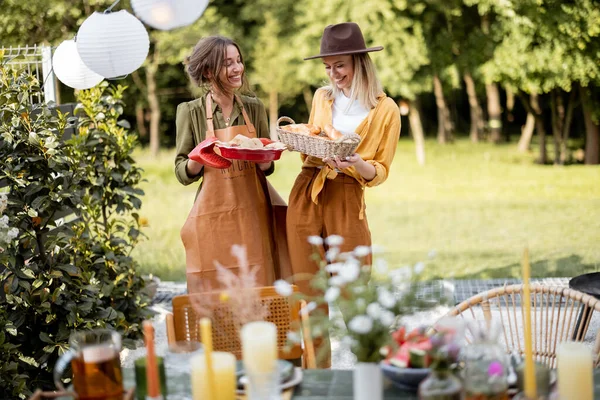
{"points": [[65, 274]]}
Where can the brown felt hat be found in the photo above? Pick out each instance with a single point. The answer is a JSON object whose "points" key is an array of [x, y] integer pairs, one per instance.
{"points": [[344, 38]]}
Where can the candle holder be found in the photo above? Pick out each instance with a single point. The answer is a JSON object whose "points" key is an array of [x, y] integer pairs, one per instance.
{"points": [[263, 385]]}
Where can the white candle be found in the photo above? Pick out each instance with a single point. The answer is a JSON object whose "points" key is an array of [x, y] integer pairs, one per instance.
{"points": [[575, 372], [223, 372], [259, 347]]}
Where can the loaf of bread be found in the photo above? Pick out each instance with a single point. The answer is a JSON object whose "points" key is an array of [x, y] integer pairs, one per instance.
{"points": [[246, 142], [305, 129], [332, 133]]}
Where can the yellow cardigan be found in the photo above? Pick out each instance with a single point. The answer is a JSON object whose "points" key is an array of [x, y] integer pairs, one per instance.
{"points": [[379, 134]]}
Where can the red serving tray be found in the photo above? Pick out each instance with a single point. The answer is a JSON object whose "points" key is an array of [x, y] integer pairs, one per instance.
{"points": [[256, 155]]}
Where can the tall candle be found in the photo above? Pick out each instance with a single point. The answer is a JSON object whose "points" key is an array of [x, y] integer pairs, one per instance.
{"points": [[153, 385], [259, 346], [575, 372], [530, 383], [206, 334], [223, 373]]}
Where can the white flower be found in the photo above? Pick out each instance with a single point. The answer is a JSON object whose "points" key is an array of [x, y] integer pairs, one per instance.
{"points": [[361, 304], [315, 240], [381, 266], [334, 268], [385, 298], [3, 202], [362, 251], [283, 288], [332, 294], [350, 271], [419, 267], [308, 308], [359, 290], [332, 253], [374, 310], [4, 221], [361, 324], [293, 337], [337, 281], [387, 318], [401, 275], [432, 253], [334, 240], [12, 233]]}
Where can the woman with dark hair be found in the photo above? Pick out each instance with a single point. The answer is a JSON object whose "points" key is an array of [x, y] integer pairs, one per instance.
{"points": [[233, 205]]}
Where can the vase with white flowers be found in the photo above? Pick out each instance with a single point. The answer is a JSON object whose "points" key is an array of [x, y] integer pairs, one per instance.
{"points": [[371, 297]]}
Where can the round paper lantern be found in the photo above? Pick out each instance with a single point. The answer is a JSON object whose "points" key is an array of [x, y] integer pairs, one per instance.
{"points": [[113, 44], [69, 68], [168, 14]]}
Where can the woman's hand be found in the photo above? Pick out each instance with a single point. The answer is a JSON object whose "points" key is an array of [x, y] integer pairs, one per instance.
{"points": [[193, 168], [365, 169], [265, 166]]}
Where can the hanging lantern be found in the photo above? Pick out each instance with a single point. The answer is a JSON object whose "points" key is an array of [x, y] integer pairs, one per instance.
{"points": [[69, 68], [168, 14], [113, 44]]}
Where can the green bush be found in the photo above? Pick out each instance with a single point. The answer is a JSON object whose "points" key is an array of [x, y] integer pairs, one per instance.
{"points": [[71, 273]]}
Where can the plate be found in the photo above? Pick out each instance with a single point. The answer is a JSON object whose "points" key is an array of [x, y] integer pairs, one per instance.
{"points": [[295, 380], [404, 378], [255, 155]]}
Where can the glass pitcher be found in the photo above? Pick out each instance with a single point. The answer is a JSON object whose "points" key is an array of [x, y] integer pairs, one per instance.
{"points": [[485, 363]]}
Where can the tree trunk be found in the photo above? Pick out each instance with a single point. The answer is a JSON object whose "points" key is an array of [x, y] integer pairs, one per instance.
{"points": [[140, 118], [539, 126], [558, 116], [273, 112], [444, 124], [476, 111], [592, 130], [526, 133], [564, 154], [308, 97], [510, 104], [154, 108], [494, 112], [416, 130]]}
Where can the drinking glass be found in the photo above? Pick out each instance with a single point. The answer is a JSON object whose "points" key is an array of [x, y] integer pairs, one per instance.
{"points": [[94, 359]]}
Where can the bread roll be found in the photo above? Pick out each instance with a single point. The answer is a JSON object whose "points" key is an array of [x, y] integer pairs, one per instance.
{"points": [[332, 133]]}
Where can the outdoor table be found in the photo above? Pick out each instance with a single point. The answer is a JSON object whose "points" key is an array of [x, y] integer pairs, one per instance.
{"points": [[323, 384]]}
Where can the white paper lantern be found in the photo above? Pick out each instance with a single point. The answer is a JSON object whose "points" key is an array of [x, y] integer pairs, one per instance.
{"points": [[113, 44], [168, 14], [69, 68]]}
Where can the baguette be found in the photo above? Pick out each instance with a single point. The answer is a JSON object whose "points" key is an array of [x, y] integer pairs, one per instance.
{"points": [[332, 133]]}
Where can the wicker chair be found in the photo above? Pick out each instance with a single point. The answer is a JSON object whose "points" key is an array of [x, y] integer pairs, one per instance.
{"points": [[559, 314], [182, 324]]}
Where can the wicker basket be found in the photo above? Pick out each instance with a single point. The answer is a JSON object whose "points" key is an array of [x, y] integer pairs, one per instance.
{"points": [[318, 146]]}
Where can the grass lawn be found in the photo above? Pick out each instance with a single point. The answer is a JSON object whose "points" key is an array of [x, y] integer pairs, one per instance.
{"points": [[475, 206]]}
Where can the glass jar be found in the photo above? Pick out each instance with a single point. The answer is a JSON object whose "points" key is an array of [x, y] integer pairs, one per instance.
{"points": [[485, 363], [441, 384]]}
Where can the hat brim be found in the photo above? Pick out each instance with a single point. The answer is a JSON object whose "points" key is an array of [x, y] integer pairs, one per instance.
{"points": [[341, 53]]}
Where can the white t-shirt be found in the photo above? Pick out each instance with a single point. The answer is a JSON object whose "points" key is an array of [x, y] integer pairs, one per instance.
{"points": [[347, 117]]}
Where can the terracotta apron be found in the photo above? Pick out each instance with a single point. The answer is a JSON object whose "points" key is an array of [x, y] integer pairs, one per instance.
{"points": [[233, 207]]}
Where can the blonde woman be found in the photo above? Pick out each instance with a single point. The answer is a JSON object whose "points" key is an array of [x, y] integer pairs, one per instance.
{"points": [[328, 195]]}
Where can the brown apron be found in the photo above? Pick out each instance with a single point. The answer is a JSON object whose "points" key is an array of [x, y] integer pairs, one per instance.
{"points": [[233, 207]]}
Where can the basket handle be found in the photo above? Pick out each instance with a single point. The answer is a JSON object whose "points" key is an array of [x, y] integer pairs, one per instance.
{"points": [[285, 119]]}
